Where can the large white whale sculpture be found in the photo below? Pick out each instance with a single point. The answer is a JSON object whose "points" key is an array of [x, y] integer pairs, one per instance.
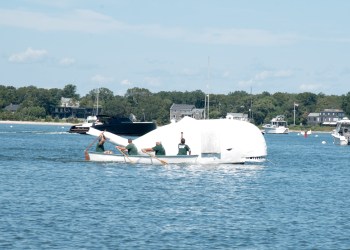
{"points": [[215, 141]]}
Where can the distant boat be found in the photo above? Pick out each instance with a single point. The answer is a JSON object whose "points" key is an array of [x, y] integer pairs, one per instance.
{"points": [[115, 125], [306, 132], [277, 126], [91, 120], [341, 134]]}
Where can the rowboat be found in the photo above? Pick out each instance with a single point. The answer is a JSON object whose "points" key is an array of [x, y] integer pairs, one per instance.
{"points": [[142, 159], [215, 141]]}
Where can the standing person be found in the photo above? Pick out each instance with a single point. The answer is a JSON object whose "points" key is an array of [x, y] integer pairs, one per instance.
{"points": [[131, 148], [183, 148], [158, 149], [100, 145]]}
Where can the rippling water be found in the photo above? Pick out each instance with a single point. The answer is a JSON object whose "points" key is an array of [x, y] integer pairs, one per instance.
{"points": [[50, 198]]}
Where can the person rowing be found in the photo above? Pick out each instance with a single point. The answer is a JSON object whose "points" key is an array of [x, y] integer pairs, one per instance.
{"points": [[101, 141], [130, 148], [183, 148], [158, 149]]}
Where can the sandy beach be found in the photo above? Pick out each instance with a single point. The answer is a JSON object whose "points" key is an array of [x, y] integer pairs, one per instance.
{"points": [[37, 123]]}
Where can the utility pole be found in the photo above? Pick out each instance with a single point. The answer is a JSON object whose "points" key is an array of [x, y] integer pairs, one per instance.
{"points": [[295, 105], [251, 106], [97, 97], [294, 114], [208, 82], [205, 105], [208, 106]]}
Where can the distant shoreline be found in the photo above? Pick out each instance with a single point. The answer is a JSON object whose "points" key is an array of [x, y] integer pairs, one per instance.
{"points": [[37, 123]]}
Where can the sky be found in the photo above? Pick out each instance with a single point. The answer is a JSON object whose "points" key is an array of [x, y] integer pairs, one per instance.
{"points": [[217, 46]]}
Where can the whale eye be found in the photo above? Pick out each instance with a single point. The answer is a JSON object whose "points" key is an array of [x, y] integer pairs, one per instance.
{"points": [[229, 149]]}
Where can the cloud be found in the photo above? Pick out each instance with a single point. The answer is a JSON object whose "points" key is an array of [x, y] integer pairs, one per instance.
{"points": [[243, 37], [188, 72], [87, 21], [267, 75], [273, 74], [152, 81], [67, 61], [226, 74], [30, 55], [310, 87], [55, 4], [79, 20], [125, 82], [101, 79]]}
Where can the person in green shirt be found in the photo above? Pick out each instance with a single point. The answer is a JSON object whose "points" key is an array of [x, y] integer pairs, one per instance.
{"points": [[183, 148], [158, 149], [131, 148], [100, 145]]}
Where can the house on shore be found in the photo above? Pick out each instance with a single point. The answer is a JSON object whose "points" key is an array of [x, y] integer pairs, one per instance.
{"points": [[179, 111], [313, 119], [69, 108], [12, 108], [327, 117]]}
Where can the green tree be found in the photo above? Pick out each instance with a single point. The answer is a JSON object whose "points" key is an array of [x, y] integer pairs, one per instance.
{"points": [[346, 103], [118, 106], [33, 112], [70, 91]]}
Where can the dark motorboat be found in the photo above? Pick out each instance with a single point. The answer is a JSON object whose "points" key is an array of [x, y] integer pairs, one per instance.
{"points": [[115, 125]]}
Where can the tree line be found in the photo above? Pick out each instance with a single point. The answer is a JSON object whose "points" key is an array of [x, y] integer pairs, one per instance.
{"points": [[38, 103]]}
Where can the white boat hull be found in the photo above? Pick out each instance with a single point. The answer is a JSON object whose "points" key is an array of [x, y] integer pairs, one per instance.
{"points": [[277, 126], [167, 159], [340, 140], [341, 134], [143, 159], [276, 130]]}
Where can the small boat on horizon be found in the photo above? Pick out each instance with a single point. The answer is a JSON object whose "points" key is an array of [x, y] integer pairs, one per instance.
{"points": [[306, 132], [277, 126]]}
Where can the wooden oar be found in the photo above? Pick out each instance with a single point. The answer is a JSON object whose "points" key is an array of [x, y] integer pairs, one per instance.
{"points": [[121, 151], [87, 157], [163, 162]]}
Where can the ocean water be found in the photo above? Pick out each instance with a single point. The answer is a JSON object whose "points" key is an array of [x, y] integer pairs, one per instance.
{"points": [[50, 198]]}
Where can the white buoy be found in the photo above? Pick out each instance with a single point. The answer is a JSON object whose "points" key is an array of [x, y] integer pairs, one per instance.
{"points": [[323, 142]]}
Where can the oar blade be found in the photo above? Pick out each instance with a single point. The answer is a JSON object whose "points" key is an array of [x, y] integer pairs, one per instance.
{"points": [[87, 156]]}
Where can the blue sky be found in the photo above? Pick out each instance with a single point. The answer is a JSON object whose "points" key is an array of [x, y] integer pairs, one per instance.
{"points": [[215, 46]]}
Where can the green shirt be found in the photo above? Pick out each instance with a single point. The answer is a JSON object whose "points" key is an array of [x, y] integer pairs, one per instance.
{"points": [[183, 148], [132, 149], [100, 147], [159, 149]]}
